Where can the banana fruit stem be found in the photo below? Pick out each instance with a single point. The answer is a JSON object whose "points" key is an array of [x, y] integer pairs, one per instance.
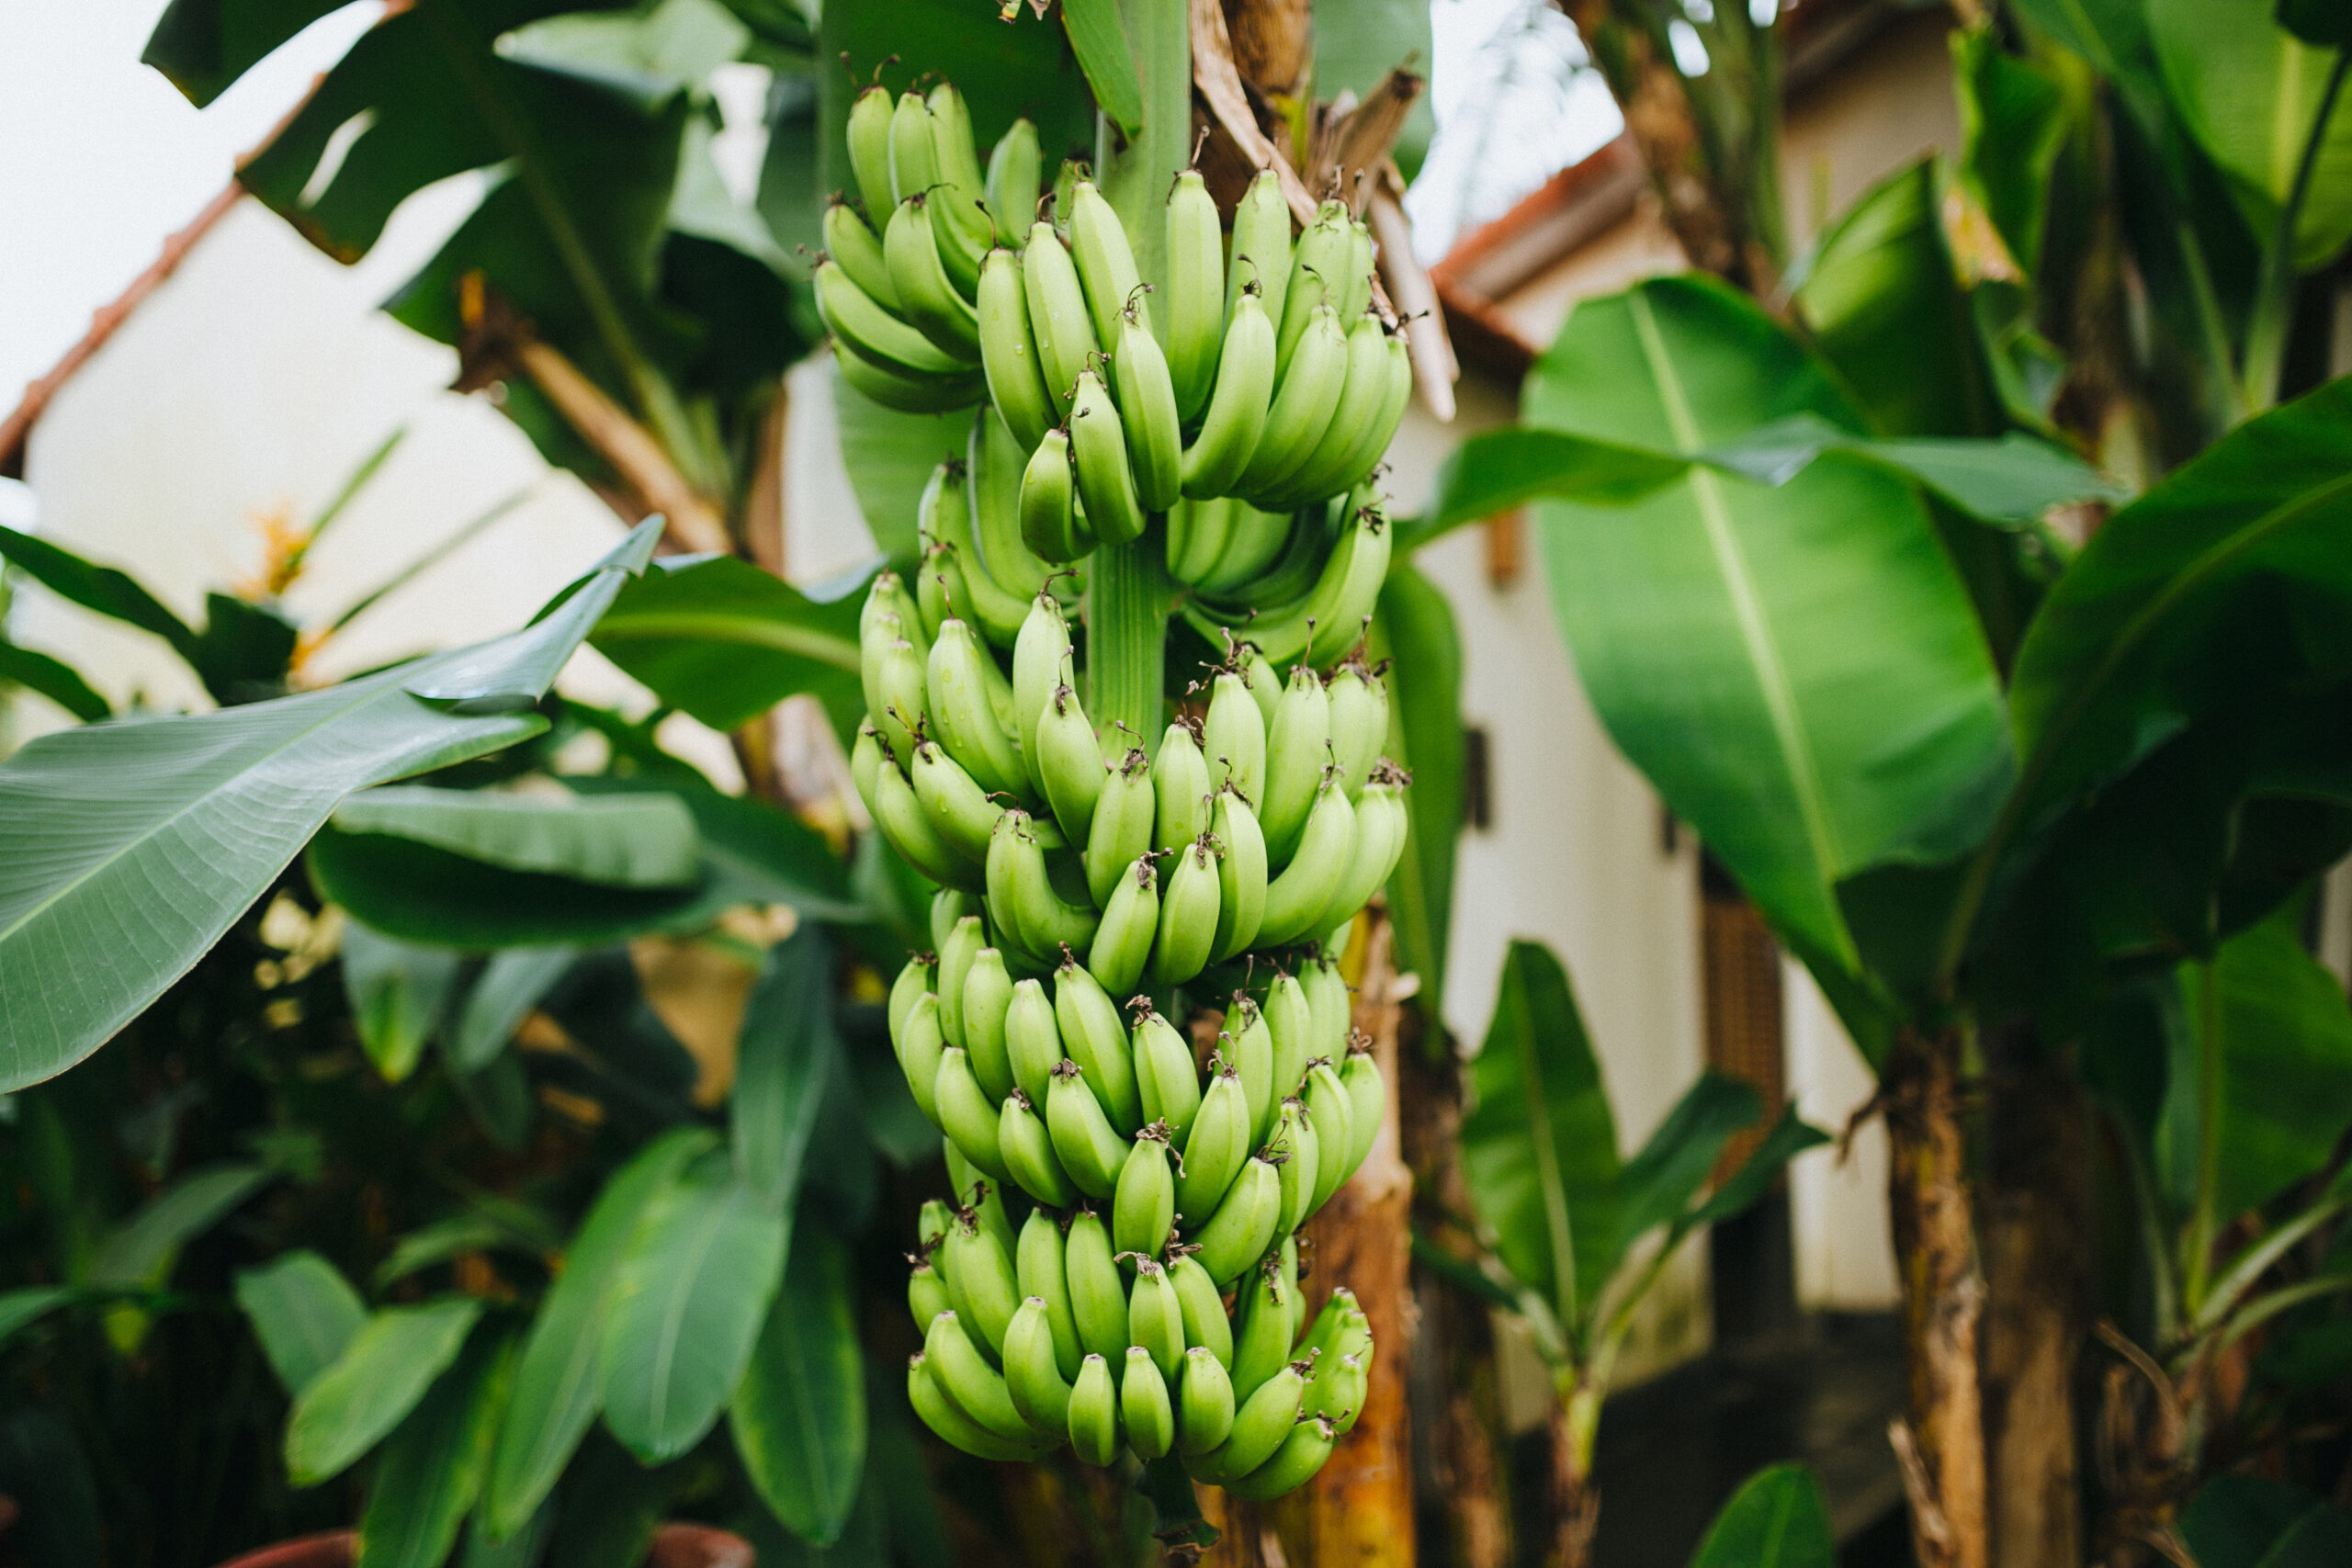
{"points": [[1128, 603]]}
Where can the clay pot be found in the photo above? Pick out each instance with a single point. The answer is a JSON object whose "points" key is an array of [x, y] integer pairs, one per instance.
{"points": [[674, 1546]]}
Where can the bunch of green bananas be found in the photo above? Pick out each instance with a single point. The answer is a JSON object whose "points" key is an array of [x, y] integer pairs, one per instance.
{"points": [[1268, 386], [1060, 1334], [903, 303]]}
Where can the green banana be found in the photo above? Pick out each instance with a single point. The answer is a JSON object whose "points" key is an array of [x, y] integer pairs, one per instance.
{"points": [[1146, 403], [1038, 1270], [964, 716], [889, 597], [1065, 180], [1339, 1393], [1095, 1040], [1155, 1317], [977, 1268], [1196, 290], [1032, 1374], [1290, 1021], [1253, 1057], [1241, 873], [1198, 532], [908, 394], [1233, 735], [926, 1294], [914, 158], [1165, 1080], [1090, 1149], [1315, 375], [932, 1226], [1188, 914], [964, 939], [1215, 1150], [1322, 1335], [987, 998], [869, 151], [1314, 473], [1263, 1420], [1294, 1143], [1032, 1041], [1379, 842], [920, 1045], [1040, 662], [1254, 542], [1319, 270], [1106, 266], [852, 315], [952, 1424], [1124, 813], [1049, 523], [905, 702], [959, 165], [994, 461], [1358, 298], [1024, 896], [1331, 1111], [942, 589], [1009, 353], [1361, 456], [867, 758], [1027, 1151], [947, 906], [964, 1376], [1238, 405], [1367, 1102], [1098, 1296], [1098, 443], [1094, 1412], [1144, 1205], [1122, 941], [1260, 245], [947, 513], [1288, 1253], [1333, 1008], [966, 1114], [928, 297], [1303, 1453], [1205, 1328], [1145, 1409], [1297, 747], [1243, 1226], [912, 982], [1014, 174], [1058, 316], [1263, 1316], [1296, 900], [1069, 763], [1359, 722], [1203, 1403], [1331, 619], [1180, 789]]}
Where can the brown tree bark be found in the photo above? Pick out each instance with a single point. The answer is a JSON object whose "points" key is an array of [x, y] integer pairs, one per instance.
{"points": [[1941, 1443], [1273, 43]]}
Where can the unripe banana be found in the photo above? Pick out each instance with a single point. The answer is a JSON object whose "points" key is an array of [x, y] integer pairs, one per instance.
{"points": [[1252, 1050], [1123, 943], [1125, 812], [950, 503], [1336, 612], [1263, 1318], [1330, 1006], [1058, 316], [1145, 1412], [1315, 375], [1032, 1041], [854, 316], [1379, 839], [1297, 899], [1294, 1145], [912, 982], [1331, 1111], [1233, 737], [1049, 524], [1165, 1079], [1265, 687], [995, 460], [1243, 397], [926, 1295], [1323, 1334], [1095, 1040], [927, 297], [977, 1268], [1147, 400], [1289, 1023], [1363, 452], [960, 162], [1263, 1420], [963, 714], [1358, 276], [1297, 747], [1015, 172], [1241, 875], [1008, 352], [1188, 915], [1031, 1375], [869, 151], [1203, 1404], [1288, 1255], [1039, 915], [953, 1425], [1243, 1226], [1180, 788], [889, 597], [1144, 1208], [1198, 532], [1155, 1317], [941, 587], [1094, 1412], [908, 394], [1260, 245], [975, 1388], [1339, 1393], [1027, 1152], [1367, 1102], [1205, 1328], [966, 1114], [1223, 1134], [867, 758], [920, 1044], [1091, 1151], [1038, 1268], [1041, 663], [1303, 1453], [1315, 472], [964, 943], [1106, 266], [1319, 270], [933, 1222], [900, 682], [1196, 290], [1359, 707], [1066, 178], [984, 1199], [1069, 763], [987, 995], [1098, 1297], [914, 158], [1098, 443]]}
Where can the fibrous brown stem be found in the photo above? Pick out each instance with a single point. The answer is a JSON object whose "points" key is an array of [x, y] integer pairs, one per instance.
{"points": [[1575, 1503]]}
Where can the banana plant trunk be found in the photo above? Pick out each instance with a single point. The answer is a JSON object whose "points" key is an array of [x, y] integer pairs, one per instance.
{"points": [[1941, 1442], [1574, 1427]]}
